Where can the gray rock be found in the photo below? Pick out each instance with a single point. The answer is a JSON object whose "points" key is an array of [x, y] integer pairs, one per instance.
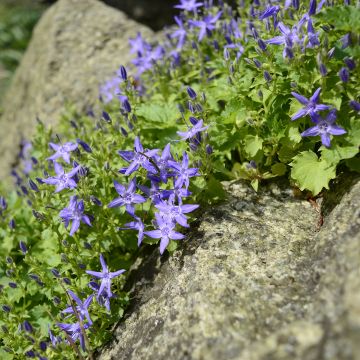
{"points": [[257, 279], [76, 46]]}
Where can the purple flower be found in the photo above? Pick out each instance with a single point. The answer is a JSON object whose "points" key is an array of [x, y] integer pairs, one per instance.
{"points": [[109, 89], [269, 11], [75, 213], [165, 232], [81, 307], [310, 105], [105, 277], [138, 45], [188, 5], [312, 35], [175, 213], [288, 38], [62, 151], [136, 225], [183, 172], [75, 332], [128, 197], [180, 33], [62, 180], [153, 193], [206, 25], [197, 128], [146, 60], [161, 171], [55, 340], [324, 128], [137, 158]]}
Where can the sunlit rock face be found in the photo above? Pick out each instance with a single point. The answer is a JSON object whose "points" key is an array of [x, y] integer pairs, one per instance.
{"points": [[258, 279], [76, 46]]}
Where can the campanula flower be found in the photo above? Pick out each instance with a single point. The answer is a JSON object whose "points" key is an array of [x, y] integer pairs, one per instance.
{"points": [[324, 128], [136, 225], [192, 131], [269, 11], [288, 38], [180, 33], [161, 171], [75, 213], [105, 277], [81, 307], [75, 332], [207, 25], [62, 180], [138, 157], [189, 5], [165, 231], [310, 105], [183, 172], [62, 151], [128, 197]]}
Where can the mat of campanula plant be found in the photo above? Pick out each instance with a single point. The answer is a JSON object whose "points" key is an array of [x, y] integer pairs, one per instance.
{"points": [[265, 90]]}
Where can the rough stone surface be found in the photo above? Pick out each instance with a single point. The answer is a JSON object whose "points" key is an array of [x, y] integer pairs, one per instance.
{"points": [[256, 280], [75, 47]]}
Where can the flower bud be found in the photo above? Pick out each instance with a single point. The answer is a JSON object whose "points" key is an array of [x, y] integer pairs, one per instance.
{"points": [[191, 92], [350, 63], [344, 74], [267, 76], [33, 186], [123, 73], [12, 224], [27, 326], [84, 145], [106, 117], [126, 105]]}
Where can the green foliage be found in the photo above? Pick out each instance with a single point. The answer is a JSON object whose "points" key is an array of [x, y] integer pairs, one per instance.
{"points": [[249, 135], [311, 173]]}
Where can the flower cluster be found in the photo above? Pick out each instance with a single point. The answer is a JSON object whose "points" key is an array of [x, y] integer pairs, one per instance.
{"points": [[221, 98]]}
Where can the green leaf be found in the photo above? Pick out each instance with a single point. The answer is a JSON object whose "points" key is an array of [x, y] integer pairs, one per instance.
{"points": [[234, 112], [294, 134], [345, 18], [311, 173], [336, 153], [279, 169], [158, 114], [255, 184], [252, 144]]}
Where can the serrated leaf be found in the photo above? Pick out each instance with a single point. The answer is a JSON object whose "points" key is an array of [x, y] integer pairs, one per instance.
{"points": [[336, 153], [311, 173], [252, 144]]}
